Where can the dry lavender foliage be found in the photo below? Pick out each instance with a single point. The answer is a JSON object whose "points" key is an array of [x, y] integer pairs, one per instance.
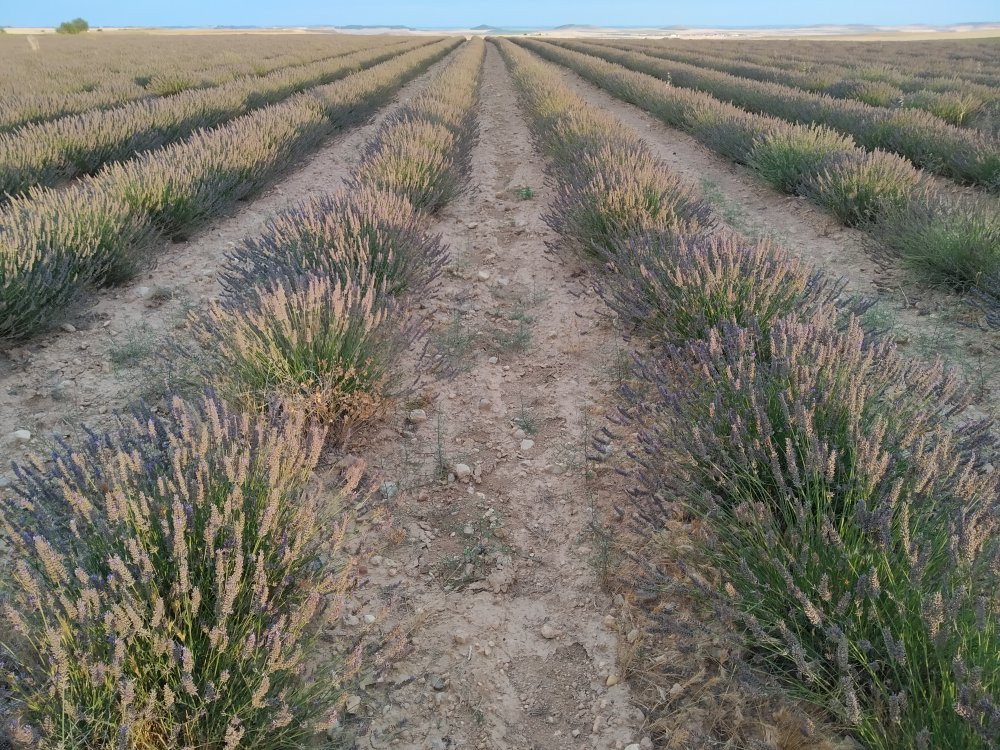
{"points": [[422, 152], [676, 287], [310, 342], [58, 76]]}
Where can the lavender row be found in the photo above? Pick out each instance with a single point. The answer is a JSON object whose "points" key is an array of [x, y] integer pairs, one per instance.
{"points": [[196, 575], [54, 244], [850, 524], [943, 237], [53, 152], [53, 77], [926, 140], [955, 101]]}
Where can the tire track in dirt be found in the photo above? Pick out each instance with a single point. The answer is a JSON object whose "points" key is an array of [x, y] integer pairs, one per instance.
{"points": [[513, 639], [55, 381], [925, 321]]}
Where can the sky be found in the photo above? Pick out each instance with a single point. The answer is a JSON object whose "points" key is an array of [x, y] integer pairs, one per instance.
{"points": [[506, 13]]}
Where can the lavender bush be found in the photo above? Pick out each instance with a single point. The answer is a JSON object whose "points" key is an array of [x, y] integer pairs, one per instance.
{"points": [[790, 155], [52, 152], [945, 239], [785, 159], [363, 232], [176, 188], [677, 288], [171, 577], [853, 528], [861, 186], [619, 191], [312, 343], [415, 159]]}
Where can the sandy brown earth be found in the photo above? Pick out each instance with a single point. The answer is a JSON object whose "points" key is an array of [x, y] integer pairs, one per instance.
{"points": [[925, 321], [102, 358], [513, 639]]}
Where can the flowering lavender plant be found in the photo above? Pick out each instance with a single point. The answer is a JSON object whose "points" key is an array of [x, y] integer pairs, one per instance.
{"points": [[853, 527], [169, 580]]}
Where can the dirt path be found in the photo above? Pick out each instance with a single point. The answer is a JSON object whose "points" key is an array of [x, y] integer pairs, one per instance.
{"points": [[97, 362], [513, 640], [925, 321]]}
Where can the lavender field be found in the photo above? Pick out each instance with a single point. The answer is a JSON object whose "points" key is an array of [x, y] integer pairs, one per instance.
{"points": [[481, 390]]}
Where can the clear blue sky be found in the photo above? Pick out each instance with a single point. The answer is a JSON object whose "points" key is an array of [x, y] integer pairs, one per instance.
{"points": [[439, 13]]}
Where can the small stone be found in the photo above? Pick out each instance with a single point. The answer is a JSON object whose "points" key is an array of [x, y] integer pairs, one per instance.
{"points": [[483, 275], [353, 704], [143, 291], [575, 732], [633, 746], [369, 619], [4, 482], [68, 327], [462, 471], [549, 632], [460, 639], [468, 530], [676, 689], [485, 404], [633, 635], [493, 360], [437, 682], [352, 621], [646, 744], [503, 281], [527, 444], [389, 490], [520, 434], [417, 416], [612, 680], [19, 436]]}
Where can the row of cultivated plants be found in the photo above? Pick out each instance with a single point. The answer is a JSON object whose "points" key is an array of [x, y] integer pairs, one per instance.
{"points": [[172, 580], [955, 101], [54, 77], [849, 523], [944, 237], [927, 141], [98, 231], [53, 152], [972, 60]]}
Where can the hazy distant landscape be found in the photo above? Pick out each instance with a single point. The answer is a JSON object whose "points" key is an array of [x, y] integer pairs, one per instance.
{"points": [[916, 31]]}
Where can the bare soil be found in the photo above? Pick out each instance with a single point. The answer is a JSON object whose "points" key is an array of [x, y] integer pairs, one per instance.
{"points": [[513, 639], [54, 382]]}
